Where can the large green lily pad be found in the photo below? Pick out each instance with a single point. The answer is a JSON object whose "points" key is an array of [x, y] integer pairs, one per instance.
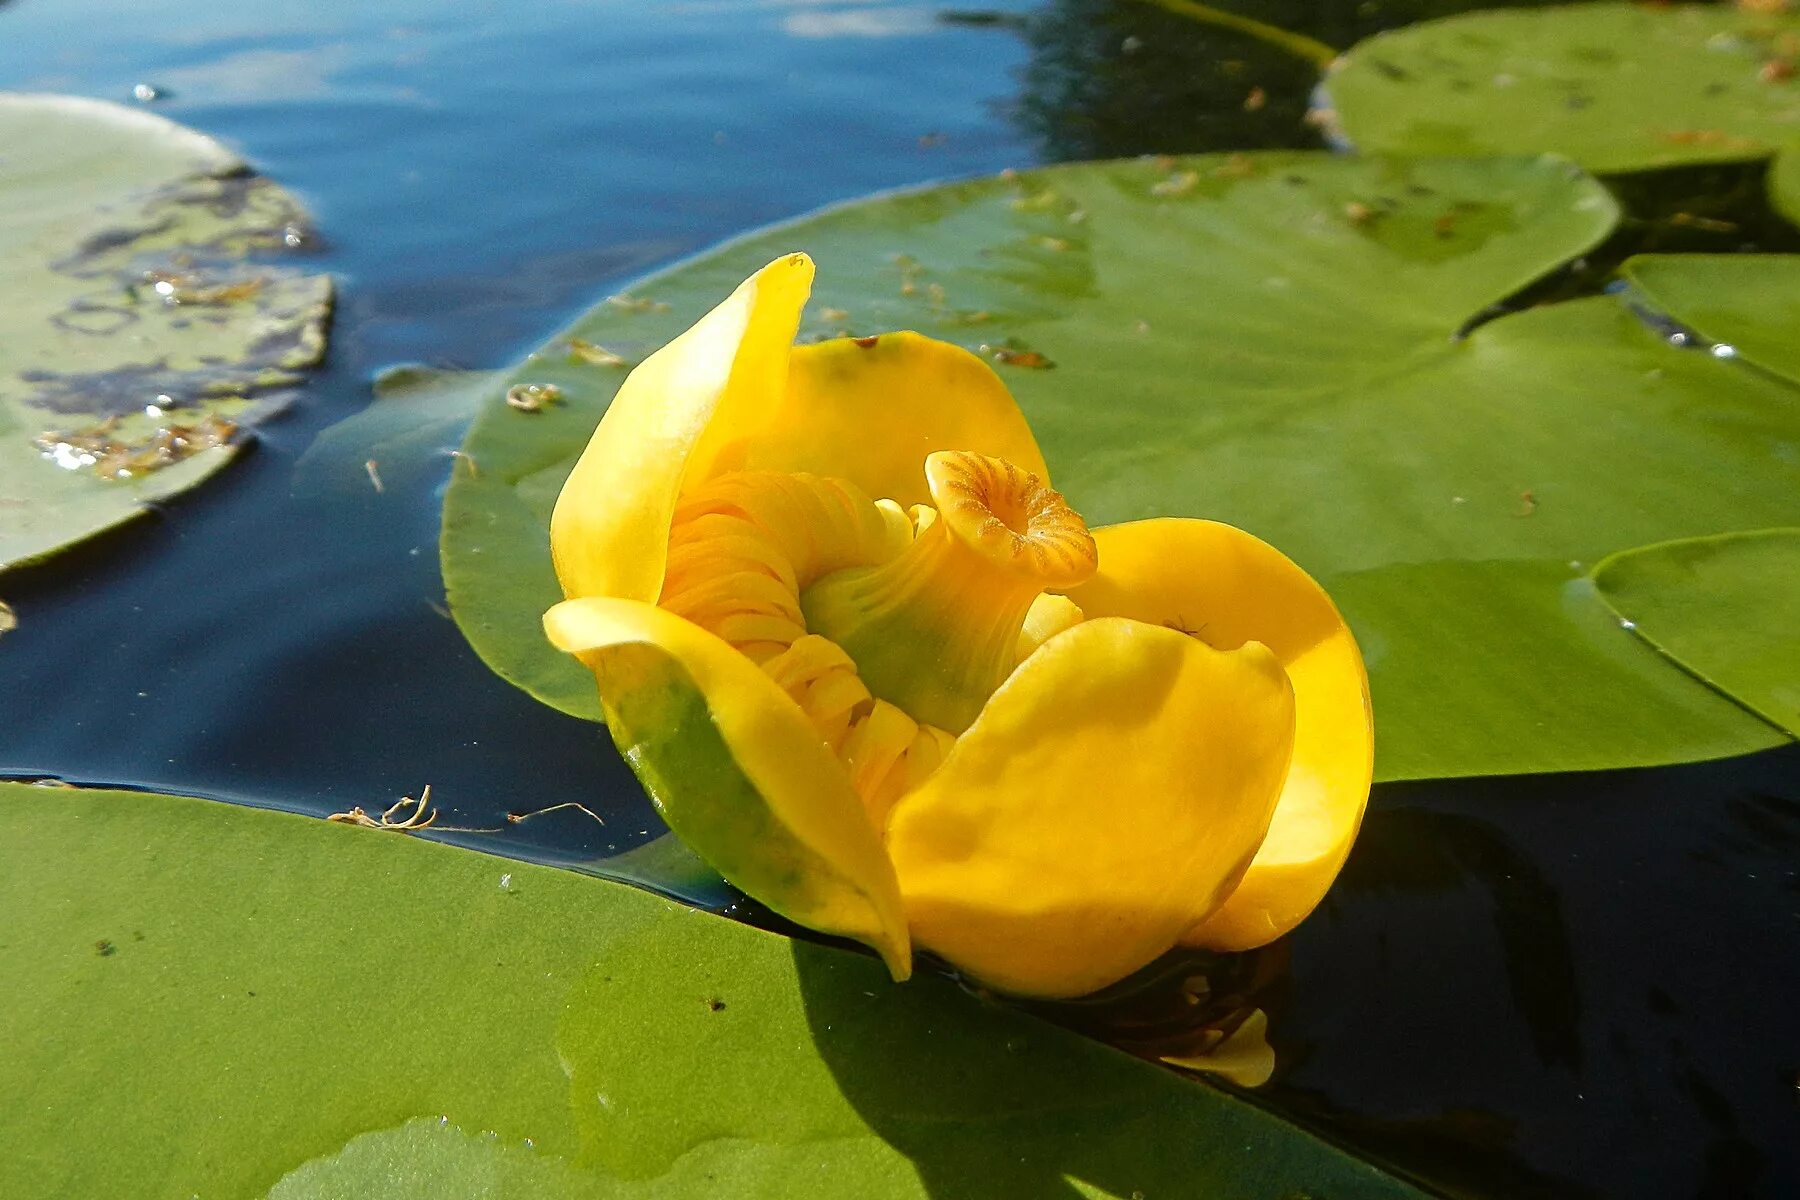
{"points": [[1270, 340], [201, 999], [136, 329], [1727, 608], [1745, 304], [1616, 87]]}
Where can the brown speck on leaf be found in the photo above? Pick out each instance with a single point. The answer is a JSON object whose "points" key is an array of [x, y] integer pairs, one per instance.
{"points": [[716, 1004], [590, 352], [867, 343], [1178, 184], [532, 397], [105, 949], [1358, 213], [1255, 101], [1236, 166], [636, 304], [1017, 356], [1445, 225], [1527, 503], [1706, 137], [1776, 70]]}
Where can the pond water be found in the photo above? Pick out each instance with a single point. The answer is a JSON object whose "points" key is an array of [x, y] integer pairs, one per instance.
{"points": [[1550, 986]]}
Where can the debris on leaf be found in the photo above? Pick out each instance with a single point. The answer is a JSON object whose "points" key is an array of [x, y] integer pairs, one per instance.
{"points": [[1179, 183], [636, 304], [591, 352], [415, 815], [1014, 353], [113, 457], [533, 397]]}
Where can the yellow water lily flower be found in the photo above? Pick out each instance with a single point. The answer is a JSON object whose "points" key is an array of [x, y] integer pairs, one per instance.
{"points": [[885, 680]]}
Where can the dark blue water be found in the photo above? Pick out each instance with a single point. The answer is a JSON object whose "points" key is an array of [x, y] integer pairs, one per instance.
{"points": [[1558, 986]]}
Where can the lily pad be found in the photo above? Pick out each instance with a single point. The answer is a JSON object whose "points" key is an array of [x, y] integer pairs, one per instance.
{"points": [[1269, 340], [327, 1011], [1727, 608], [1748, 304], [139, 322], [1616, 87]]}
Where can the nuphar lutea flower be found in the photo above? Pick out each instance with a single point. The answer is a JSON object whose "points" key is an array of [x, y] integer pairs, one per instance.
{"points": [[873, 669]]}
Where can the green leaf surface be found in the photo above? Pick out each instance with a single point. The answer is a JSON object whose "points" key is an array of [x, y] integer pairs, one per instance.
{"points": [[135, 327], [201, 999], [1616, 87], [1747, 302], [1268, 340], [1727, 608]]}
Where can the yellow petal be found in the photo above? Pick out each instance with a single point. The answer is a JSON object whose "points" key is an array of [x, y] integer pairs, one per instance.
{"points": [[870, 409], [1226, 587], [736, 770], [679, 417], [1110, 794]]}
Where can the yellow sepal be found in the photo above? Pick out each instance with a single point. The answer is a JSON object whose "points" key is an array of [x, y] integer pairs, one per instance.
{"points": [[1225, 588], [1109, 796], [737, 771], [679, 417]]}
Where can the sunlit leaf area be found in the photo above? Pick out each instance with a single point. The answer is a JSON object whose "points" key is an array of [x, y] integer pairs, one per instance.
{"points": [[797, 598]]}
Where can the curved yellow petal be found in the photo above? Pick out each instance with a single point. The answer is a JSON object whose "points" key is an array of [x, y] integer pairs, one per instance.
{"points": [[1226, 588], [736, 770], [1110, 794], [870, 409], [680, 416]]}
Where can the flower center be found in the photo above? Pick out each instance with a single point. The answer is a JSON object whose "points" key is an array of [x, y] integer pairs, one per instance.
{"points": [[936, 629], [741, 549]]}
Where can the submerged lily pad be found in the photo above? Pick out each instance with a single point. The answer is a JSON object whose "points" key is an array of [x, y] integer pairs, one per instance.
{"points": [[331, 1011], [1744, 304], [1272, 340], [1616, 87], [409, 432], [1727, 608], [139, 322]]}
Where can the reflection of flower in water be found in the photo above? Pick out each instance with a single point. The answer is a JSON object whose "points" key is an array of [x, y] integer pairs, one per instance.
{"points": [[1196, 1011]]}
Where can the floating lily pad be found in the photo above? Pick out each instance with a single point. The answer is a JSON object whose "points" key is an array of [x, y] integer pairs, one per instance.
{"points": [[139, 321], [333, 1011], [1616, 87], [1745, 304], [1727, 608], [1269, 340]]}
